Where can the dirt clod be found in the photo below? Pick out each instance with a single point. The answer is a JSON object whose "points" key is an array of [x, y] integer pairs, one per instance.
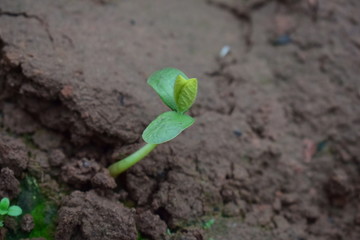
{"points": [[57, 158], [13, 154], [103, 179], [151, 225], [190, 234], [338, 189], [232, 210], [9, 185], [87, 216], [27, 223], [80, 172], [17, 120], [47, 140]]}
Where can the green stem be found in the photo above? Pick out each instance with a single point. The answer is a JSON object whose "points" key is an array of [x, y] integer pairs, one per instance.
{"points": [[124, 164]]}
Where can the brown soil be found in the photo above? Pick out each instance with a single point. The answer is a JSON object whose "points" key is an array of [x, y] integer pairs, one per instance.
{"points": [[274, 153]]}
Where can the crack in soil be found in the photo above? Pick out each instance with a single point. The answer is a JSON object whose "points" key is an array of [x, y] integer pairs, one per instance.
{"points": [[242, 14], [41, 21]]}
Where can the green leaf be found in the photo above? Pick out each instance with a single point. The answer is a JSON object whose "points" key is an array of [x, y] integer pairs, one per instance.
{"points": [[185, 92], [4, 206], [166, 127], [209, 223], [14, 211], [180, 82], [3, 212], [163, 82], [1, 223]]}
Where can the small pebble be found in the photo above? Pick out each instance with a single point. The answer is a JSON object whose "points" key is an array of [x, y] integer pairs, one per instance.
{"points": [[237, 133], [282, 40], [225, 50]]}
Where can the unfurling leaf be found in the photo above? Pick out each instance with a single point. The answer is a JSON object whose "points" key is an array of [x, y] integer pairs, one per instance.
{"points": [[179, 84], [185, 92]]}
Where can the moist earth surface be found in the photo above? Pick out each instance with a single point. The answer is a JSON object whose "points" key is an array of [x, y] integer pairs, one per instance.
{"points": [[274, 152]]}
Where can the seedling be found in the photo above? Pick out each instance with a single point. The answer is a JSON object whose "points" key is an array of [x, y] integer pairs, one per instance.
{"points": [[6, 209], [208, 224], [178, 92]]}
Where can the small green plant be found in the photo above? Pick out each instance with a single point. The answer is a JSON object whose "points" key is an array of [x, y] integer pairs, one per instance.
{"points": [[208, 224], [6, 209], [178, 92]]}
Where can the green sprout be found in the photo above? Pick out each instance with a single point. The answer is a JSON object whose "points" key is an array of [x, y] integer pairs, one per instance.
{"points": [[178, 92], [208, 224], [6, 209]]}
